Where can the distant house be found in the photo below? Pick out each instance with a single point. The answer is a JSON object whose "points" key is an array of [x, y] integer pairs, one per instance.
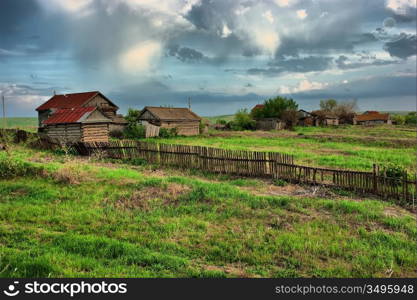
{"points": [[305, 118], [82, 100], [183, 119], [269, 124], [323, 118], [372, 118], [86, 124]]}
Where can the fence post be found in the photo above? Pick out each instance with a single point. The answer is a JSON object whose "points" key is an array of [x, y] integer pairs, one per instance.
{"points": [[374, 179]]}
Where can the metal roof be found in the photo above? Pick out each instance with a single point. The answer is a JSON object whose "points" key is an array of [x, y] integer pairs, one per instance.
{"points": [[70, 115], [71, 100]]}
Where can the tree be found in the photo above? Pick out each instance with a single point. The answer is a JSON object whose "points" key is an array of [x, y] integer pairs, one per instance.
{"points": [[274, 108], [290, 118], [411, 118], [346, 111], [398, 119], [134, 128], [243, 121], [328, 105]]}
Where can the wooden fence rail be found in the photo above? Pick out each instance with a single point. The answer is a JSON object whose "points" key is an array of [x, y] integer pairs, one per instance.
{"points": [[245, 163]]}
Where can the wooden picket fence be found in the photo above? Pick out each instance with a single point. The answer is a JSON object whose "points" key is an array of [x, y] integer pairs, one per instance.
{"points": [[243, 163], [258, 164]]}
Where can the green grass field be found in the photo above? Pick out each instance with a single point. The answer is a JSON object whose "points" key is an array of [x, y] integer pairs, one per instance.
{"points": [[345, 147], [30, 124], [73, 217]]}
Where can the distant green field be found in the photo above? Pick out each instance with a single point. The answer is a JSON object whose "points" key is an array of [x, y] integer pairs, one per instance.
{"points": [[222, 117], [24, 123]]}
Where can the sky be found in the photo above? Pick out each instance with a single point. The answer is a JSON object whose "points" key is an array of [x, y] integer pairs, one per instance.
{"points": [[222, 54]]}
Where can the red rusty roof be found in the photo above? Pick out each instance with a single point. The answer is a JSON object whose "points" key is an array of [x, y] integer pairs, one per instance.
{"points": [[372, 116], [70, 115], [258, 106], [68, 100]]}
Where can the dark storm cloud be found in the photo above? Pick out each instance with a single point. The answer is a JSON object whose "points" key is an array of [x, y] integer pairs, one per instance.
{"points": [[156, 93], [344, 63], [297, 65], [387, 86], [27, 29], [185, 54], [403, 48]]}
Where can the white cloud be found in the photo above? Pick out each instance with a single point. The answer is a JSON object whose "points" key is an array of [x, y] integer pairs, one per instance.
{"points": [[284, 3], [400, 6], [306, 85], [78, 8], [301, 14], [141, 57], [303, 86], [268, 15], [225, 31], [267, 40]]}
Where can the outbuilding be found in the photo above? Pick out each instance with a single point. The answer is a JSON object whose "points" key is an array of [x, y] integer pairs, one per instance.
{"points": [[81, 124], [184, 120], [372, 118]]}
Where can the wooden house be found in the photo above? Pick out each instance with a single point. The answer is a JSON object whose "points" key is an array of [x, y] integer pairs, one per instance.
{"points": [[372, 118], [323, 118], [86, 124], [305, 118], [269, 124], [183, 119], [82, 100]]}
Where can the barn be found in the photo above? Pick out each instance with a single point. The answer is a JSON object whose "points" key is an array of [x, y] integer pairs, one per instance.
{"points": [[85, 124], [82, 100], [372, 118], [183, 119]]}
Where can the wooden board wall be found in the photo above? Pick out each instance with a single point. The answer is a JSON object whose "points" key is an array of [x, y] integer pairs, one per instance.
{"points": [[98, 132], [64, 132]]}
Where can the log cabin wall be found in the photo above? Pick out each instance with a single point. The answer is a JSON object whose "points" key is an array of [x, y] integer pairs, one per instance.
{"points": [[95, 132], [64, 132], [183, 127]]}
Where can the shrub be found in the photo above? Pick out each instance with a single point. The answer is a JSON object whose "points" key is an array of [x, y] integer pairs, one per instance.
{"points": [[221, 121], [118, 134], [411, 118], [134, 131], [393, 171], [243, 121], [166, 133], [280, 182], [10, 168]]}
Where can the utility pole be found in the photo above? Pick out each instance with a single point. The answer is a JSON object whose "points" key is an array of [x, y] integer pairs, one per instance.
{"points": [[4, 111], [189, 103]]}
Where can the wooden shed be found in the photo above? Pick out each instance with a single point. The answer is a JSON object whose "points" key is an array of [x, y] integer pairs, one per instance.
{"points": [[82, 100], [372, 118], [269, 124], [86, 124], [183, 119]]}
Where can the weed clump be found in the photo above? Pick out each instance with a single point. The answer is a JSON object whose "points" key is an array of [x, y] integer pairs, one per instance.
{"points": [[10, 167], [70, 173]]}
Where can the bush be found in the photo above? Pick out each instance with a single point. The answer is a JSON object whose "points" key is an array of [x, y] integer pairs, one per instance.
{"points": [[167, 133], [10, 168], [242, 121], [393, 171], [134, 131], [411, 118], [118, 134], [221, 121]]}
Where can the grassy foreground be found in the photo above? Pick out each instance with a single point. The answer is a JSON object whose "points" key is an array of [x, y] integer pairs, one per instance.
{"points": [[346, 147], [72, 217]]}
